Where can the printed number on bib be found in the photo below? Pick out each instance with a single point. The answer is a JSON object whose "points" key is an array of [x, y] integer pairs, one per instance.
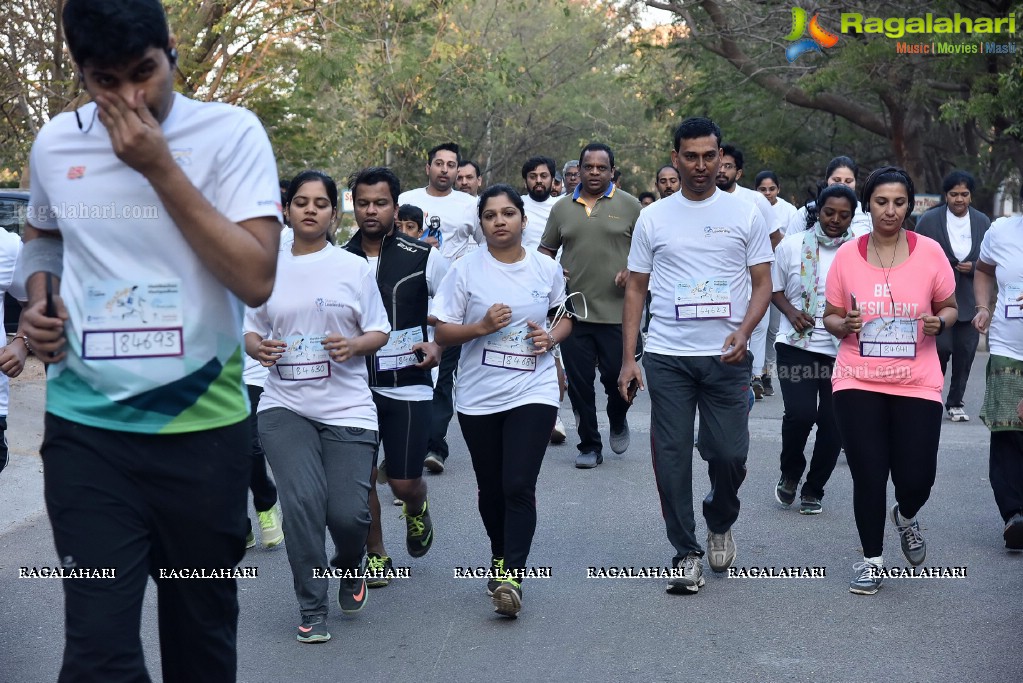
{"points": [[304, 358], [132, 319], [509, 349], [1012, 302], [818, 320], [703, 299], [888, 338], [397, 353]]}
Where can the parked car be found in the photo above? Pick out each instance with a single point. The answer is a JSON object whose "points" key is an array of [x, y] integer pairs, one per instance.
{"points": [[13, 212]]}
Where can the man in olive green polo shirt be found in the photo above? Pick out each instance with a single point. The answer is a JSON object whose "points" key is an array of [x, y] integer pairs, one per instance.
{"points": [[593, 226]]}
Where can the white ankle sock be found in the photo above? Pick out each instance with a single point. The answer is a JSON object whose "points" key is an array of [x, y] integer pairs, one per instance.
{"points": [[876, 561]]}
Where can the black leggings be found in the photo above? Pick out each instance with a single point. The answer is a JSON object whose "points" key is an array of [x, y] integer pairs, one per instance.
{"points": [[886, 434], [507, 449]]}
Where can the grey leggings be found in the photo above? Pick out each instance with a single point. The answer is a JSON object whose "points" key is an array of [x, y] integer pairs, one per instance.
{"points": [[322, 474]]}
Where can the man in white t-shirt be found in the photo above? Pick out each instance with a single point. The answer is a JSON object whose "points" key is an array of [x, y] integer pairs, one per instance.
{"points": [[454, 215], [469, 178], [700, 252], [451, 213], [729, 173], [667, 181], [155, 219], [538, 176]]}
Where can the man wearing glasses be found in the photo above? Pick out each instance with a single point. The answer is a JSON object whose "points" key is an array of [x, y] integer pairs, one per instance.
{"points": [[570, 175]]}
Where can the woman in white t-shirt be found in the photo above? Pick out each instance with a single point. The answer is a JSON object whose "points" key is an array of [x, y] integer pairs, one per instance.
{"points": [[317, 420], [495, 302], [806, 351], [1001, 266], [767, 184], [841, 170]]}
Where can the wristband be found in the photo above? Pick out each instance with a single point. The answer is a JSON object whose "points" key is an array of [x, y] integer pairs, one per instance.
{"points": [[941, 325], [985, 308], [41, 254], [24, 339]]}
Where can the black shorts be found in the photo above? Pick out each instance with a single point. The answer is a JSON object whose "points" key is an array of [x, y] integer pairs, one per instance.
{"points": [[404, 434]]}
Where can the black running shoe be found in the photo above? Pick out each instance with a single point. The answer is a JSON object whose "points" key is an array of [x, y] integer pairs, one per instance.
{"points": [[785, 491], [378, 568], [313, 629], [496, 572], [507, 598], [419, 530]]}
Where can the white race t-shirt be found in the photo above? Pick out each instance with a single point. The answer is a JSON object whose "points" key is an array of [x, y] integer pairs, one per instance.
{"points": [[785, 274], [960, 237], [860, 221], [537, 214], [10, 248], [254, 373], [760, 201], [1003, 248], [154, 338], [783, 212], [331, 290], [698, 255], [454, 214], [436, 269], [499, 372]]}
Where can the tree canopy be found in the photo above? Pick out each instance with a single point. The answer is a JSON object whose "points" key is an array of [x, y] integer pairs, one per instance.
{"points": [[341, 85]]}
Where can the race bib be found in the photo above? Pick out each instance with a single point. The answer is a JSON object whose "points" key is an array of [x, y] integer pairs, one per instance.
{"points": [[509, 349], [132, 319], [304, 358], [889, 338], [818, 317], [703, 299], [1012, 302], [397, 353]]}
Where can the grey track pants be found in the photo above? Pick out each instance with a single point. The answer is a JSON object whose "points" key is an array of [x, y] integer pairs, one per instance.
{"points": [[322, 474], [678, 385]]}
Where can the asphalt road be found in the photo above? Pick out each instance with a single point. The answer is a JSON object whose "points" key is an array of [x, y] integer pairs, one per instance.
{"points": [[434, 627]]}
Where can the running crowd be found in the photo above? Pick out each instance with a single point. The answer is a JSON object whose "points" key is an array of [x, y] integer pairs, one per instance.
{"points": [[454, 298]]}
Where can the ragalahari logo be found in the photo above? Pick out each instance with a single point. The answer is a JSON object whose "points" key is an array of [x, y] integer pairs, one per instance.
{"points": [[819, 39]]}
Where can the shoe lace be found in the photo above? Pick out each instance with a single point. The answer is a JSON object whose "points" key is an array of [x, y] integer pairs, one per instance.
{"points": [[912, 536], [415, 522], [376, 563], [690, 564], [866, 571], [716, 541], [497, 564], [266, 519]]}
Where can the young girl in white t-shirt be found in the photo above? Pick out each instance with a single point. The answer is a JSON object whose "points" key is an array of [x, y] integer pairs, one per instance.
{"points": [[317, 420], [495, 302]]}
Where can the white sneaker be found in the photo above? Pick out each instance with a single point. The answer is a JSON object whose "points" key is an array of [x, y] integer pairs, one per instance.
{"points": [[957, 414], [559, 434]]}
